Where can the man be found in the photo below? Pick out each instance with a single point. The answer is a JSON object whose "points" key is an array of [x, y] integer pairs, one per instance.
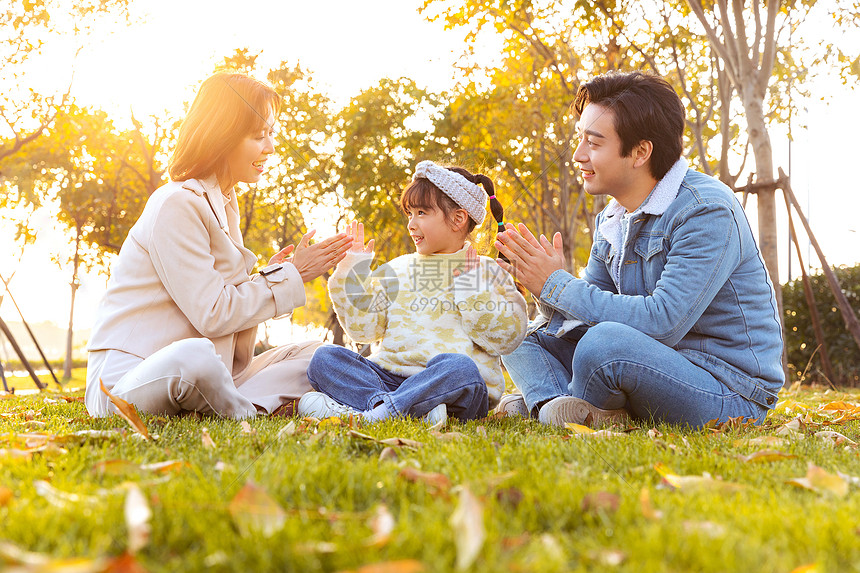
{"points": [[674, 318]]}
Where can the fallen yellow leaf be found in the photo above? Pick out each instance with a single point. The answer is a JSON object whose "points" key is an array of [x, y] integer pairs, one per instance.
{"points": [[207, 440], [393, 442], [768, 441], [648, 511], [255, 511], [404, 442], [29, 561], [695, 483], [578, 428], [137, 516], [820, 481], [468, 524], [436, 480], [402, 566], [6, 495], [841, 406], [600, 501], [766, 456], [127, 412], [382, 525], [810, 568], [835, 438]]}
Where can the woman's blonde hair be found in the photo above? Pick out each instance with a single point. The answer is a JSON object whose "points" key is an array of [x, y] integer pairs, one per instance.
{"points": [[228, 107]]}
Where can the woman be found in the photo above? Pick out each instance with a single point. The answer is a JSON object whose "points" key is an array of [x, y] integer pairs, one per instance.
{"points": [[176, 328]]}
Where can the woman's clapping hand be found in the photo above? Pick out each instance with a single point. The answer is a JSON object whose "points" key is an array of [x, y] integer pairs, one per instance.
{"points": [[312, 260]]}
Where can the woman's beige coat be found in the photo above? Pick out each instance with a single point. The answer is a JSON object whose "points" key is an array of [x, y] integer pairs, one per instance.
{"points": [[183, 272]]}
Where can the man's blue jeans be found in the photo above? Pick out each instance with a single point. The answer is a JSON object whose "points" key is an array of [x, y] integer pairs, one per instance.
{"points": [[614, 366], [351, 379]]}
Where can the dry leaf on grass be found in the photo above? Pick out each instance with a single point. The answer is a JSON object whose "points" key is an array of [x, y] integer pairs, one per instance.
{"points": [[467, 522], [288, 430], [6, 496], [793, 428], [578, 428], [767, 441], [703, 482], [401, 566], [137, 516], [809, 568], [166, 466], [820, 481], [402, 442], [127, 412], [116, 467], [246, 428], [393, 442], [255, 511], [648, 511], [122, 467], [63, 499], [790, 404], [600, 501], [766, 456], [449, 436], [586, 432], [439, 482], [382, 525], [29, 562], [207, 440], [125, 563], [387, 453], [840, 406], [16, 454], [835, 438]]}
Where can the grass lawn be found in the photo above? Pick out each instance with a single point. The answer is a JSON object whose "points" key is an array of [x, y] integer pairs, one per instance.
{"points": [[281, 494]]}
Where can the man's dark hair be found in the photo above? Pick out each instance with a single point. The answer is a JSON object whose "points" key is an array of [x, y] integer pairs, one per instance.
{"points": [[645, 107]]}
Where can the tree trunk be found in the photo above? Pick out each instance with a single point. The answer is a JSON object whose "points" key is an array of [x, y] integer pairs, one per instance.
{"points": [[67, 365], [763, 152]]}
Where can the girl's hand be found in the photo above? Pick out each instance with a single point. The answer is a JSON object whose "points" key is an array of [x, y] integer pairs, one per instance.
{"points": [[313, 260], [281, 255], [355, 230], [470, 264]]}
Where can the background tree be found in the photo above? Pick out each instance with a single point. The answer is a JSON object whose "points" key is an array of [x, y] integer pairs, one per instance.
{"points": [[516, 111], [88, 171], [25, 27], [385, 131]]}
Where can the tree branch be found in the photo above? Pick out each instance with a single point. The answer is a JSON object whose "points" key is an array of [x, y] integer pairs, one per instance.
{"points": [[769, 53], [725, 52]]}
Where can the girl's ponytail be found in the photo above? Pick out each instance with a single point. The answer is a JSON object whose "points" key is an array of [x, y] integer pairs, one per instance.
{"points": [[495, 206]]}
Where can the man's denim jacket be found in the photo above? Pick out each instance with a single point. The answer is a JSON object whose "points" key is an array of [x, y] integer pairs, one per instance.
{"points": [[689, 274]]}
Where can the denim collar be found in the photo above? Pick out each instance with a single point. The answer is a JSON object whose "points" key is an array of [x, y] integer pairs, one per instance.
{"points": [[656, 203]]}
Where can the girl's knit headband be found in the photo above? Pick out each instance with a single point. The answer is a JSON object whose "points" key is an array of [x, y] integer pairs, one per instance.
{"points": [[470, 196]]}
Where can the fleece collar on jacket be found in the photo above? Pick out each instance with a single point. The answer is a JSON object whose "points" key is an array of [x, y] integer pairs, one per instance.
{"points": [[655, 204]]}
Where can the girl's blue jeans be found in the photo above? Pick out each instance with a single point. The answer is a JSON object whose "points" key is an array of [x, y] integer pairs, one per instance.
{"points": [[351, 379], [614, 366]]}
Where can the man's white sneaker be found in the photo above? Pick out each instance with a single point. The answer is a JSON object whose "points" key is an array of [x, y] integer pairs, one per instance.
{"points": [[322, 406], [567, 409], [513, 405], [437, 416]]}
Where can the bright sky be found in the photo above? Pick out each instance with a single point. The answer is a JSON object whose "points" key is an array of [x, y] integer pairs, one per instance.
{"points": [[350, 45]]}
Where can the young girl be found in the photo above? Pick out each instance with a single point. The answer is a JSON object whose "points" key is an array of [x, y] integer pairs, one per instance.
{"points": [[443, 314]]}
